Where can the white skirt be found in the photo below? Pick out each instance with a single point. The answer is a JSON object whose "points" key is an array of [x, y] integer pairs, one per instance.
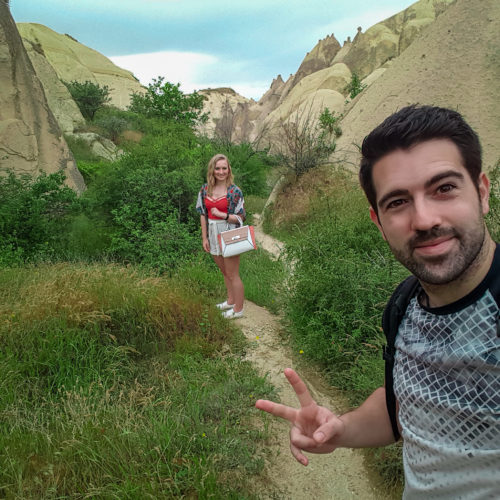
{"points": [[215, 227]]}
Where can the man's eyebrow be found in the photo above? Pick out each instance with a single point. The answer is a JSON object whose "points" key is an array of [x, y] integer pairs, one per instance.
{"points": [[444, 175], [391, 194], [428, 184]]}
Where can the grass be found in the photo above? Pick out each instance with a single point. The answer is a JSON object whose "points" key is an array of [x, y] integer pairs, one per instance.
{"points": [[113, 385]]}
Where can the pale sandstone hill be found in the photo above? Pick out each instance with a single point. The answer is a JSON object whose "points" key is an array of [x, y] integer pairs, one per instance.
{"points": [[31, 141], [456, 64], [324, 73], [221, 105], [74, 61], [62, 105]]}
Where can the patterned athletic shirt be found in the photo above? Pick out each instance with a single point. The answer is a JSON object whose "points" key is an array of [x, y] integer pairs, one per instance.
{"points": [[447, 382]]}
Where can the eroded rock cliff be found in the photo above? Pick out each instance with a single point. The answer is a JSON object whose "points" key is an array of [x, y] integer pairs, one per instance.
{"points": [[31, 141]]}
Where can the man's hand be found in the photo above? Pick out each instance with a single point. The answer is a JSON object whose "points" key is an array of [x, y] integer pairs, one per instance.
{"points": [[314, 429]]}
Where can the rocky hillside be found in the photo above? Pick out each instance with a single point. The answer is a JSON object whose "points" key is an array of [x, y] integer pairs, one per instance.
{"points": [[31, 140], [72, 60], [326, 70], [456, 64]]}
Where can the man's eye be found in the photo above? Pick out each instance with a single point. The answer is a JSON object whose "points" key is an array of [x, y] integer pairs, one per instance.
{"points": [[446, 188], [395, 204]]}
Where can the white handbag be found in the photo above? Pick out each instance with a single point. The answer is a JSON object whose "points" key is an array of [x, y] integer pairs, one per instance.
{"points": [[236, 241]]}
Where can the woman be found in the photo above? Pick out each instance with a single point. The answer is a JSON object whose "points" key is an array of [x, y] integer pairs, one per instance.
{"points": [[220, 203]]}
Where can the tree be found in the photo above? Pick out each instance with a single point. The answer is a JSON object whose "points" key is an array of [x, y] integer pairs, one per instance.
{"points": [[167, 101], [355, 86], [303, 142], [88, 96]]}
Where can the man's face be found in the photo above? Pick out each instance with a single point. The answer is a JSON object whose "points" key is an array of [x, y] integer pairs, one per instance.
{"points": [[429, 210]]}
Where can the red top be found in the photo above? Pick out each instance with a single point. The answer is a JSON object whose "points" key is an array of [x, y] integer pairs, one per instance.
{"points": [[219, 203]]}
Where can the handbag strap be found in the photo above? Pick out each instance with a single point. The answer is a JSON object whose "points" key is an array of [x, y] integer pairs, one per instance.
{"points": [[239, 220]]}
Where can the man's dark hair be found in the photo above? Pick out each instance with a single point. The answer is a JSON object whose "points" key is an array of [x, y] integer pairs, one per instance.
{"points": [[411, 126]]}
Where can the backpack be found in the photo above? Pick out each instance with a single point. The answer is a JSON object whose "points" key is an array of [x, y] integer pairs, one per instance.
{"points": [[391, 318], [393, 314]]}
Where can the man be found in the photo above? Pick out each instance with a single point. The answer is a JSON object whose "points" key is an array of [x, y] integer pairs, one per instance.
{"points": [[421, 172]]}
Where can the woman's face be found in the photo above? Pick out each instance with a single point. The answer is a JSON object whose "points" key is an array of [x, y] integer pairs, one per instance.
{"points": [[221, 170]]}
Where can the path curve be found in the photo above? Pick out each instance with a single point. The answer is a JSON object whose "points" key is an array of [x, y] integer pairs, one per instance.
{"points": [[341, 475]]}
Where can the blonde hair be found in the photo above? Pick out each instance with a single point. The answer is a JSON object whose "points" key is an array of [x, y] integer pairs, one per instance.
{"points": [[210, 172]]}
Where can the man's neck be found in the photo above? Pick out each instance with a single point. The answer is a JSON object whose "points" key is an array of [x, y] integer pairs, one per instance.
{"points": [[441, 295]]}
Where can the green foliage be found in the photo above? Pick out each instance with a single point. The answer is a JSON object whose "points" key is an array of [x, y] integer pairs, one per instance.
{"points": [[148, 197], [111, 126], [81, 149], [344, 272], [88, 96], [33, 215], [113, 387], [329, 123], [355, 86], [493, 217], [302, 143], [168, 102]]}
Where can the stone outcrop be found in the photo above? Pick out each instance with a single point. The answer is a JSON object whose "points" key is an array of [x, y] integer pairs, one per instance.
{"points": [[65, 109], [31, 141], [72, 60], [388, 39], [222, 104], [456, 65], [325, 72], [320, 57]]}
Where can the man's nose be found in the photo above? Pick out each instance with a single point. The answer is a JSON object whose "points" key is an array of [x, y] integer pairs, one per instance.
{"points": [[425, 215]]}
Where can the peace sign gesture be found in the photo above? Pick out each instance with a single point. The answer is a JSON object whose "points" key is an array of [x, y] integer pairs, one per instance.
{"points": [[314, 428]]}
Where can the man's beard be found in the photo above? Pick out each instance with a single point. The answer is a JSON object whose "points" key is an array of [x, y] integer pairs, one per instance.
{"points": [[442, 269]]}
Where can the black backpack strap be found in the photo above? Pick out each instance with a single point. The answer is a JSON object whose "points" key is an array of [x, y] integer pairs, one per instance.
{"points": [[393, 314]]}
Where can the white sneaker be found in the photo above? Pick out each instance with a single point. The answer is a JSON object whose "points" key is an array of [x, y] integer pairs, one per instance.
{"points": [[224, 305], [232, 314]]}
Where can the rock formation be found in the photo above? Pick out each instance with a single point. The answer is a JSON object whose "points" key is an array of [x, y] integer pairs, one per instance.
{"points": [[72, 60], [31, 141], [325, 72], [456, 65]]}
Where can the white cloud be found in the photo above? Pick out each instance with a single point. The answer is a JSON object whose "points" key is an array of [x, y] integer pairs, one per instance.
{"points": [[190, 69], [176, 67]]}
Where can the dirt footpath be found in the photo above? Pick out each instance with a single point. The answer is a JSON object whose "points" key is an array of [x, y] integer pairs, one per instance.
{"points": [[341, 475]]}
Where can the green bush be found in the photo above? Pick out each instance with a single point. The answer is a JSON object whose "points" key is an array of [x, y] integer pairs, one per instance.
{"points": [[493, 218], [33, 215], [89, 96], [355, 86], [168, 102], [344, 273]]}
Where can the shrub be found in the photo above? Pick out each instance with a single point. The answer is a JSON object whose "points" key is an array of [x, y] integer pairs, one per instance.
{"points": [[355, 86], [344, 273], [301, 143], [88, 96], [168, 102], [493, 217], [33, 214]]}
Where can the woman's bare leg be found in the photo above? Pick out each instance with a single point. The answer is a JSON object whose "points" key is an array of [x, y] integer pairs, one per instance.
{"points": [[232, 273], [219, 260]]}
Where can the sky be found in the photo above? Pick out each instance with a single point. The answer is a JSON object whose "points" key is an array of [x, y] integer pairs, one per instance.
{"points": [[242, 44]]}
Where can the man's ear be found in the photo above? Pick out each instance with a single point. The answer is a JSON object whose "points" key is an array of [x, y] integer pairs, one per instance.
{"points": [[484, 192], [376, 221]]}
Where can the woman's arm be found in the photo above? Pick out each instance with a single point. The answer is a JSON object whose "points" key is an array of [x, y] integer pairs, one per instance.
{"points": [[204, 233]]}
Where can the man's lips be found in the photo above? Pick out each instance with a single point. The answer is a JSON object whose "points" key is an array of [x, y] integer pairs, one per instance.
{"points": [[434, 247]]}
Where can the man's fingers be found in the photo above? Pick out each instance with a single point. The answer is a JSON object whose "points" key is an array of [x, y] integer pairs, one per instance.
{"points": [[297, 453], [333, 427], [276, 409], [305, 398], [301, 441]]}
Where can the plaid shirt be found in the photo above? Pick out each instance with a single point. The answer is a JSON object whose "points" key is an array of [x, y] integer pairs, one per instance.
{"points": [[234, 198]]}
